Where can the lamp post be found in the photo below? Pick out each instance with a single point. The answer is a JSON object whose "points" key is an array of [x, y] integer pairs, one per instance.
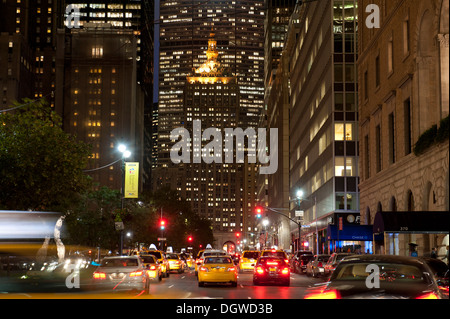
{"points": [[125, 154], [300, 199]]}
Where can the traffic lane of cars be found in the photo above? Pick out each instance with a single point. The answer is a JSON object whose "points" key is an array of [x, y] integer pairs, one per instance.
{"points": [[380, 277]]}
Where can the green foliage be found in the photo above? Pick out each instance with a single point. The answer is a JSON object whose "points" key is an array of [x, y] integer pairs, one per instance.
{"points": [[432, 136], [41, 166]]}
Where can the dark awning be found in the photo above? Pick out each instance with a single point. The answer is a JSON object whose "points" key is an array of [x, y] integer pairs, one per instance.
{"points": [[412, 222], [350, 232]]}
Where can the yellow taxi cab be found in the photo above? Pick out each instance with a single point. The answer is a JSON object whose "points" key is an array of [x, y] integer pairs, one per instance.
{"points": [[248, 260], [175, 262], [217, 269], [163, 263], [152, 266]]}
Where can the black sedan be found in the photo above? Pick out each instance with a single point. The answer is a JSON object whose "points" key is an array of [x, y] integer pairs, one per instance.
{"points": [[271, 270], [380, 277]]}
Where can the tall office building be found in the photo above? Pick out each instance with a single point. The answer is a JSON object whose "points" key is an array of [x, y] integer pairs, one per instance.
{"points": [[324, 121], [28, 49], [211, 96], [137, 16], [404, 125], [99, 97], [184, 29]]}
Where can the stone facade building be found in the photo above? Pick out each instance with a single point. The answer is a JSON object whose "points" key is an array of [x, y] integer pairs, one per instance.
{"points": [[404, 107]]}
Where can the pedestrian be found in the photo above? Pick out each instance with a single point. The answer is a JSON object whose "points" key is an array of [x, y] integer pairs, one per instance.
{"points": [[433, 253], [412, 250]]}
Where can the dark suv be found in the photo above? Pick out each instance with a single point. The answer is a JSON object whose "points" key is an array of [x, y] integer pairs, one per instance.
{"points": [[300, 259]]}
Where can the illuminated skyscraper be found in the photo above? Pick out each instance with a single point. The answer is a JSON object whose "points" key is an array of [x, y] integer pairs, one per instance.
{"points": [[184, 29], [214, 190]]}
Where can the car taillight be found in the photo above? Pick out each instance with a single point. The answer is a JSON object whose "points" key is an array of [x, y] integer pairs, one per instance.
{"points": [[136, 273], [259, 270], [430, 295], [319, 264], [329, 294], [231, 269], [152, 267], [205, 269], [272, 263], [286, 261], [285, 271], [99, 275]]}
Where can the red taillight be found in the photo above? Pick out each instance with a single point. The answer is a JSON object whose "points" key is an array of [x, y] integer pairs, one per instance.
{"points": [[319, 264], [285, 271], [204, 269], [259, 270], [272, 263], [152, 267], [430, 295], [136, 273], [328, 294], [99, 275]]}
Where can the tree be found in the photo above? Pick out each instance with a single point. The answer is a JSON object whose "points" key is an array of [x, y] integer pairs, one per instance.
{"points": [[91, 224], [41, 166]]}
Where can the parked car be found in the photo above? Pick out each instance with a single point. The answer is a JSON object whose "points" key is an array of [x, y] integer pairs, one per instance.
{"points": [[272, 269], [304, 260], [121, 273], [334, 260], [296, 261], [399, 278], [315, 267]]}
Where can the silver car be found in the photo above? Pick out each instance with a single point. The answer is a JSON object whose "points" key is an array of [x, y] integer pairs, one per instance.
{"points": [[121, 273]]}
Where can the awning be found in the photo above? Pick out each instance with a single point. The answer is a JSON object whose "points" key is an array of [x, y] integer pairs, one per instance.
{"points": [[412, 222], [350, 232]]}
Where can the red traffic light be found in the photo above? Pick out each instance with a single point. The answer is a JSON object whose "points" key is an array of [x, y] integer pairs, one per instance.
{"points": [[258, 211], [190, 239], [238, 235], [162, 224]]}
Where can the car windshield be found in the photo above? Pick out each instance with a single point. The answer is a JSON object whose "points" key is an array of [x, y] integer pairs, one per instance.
{"points": [[251, 254], [218, 260], [148, 259], [119, 262], [388, 272], [273, 254]]}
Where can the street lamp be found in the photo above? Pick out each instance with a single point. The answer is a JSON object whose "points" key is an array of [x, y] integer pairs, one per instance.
{"points": [[125, 154], [300, 192]]}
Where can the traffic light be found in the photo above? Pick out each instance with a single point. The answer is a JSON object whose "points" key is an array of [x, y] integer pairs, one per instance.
{"points": [[190, 239], [258, 211], [238, 235], [162, 224]]}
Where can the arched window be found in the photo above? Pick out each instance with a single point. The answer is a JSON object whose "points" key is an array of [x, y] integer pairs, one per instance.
{"points": [[410, 201], [393, 204]]}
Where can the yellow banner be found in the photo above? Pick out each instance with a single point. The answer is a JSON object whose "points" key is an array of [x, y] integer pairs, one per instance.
{"points": [[131, 180]]}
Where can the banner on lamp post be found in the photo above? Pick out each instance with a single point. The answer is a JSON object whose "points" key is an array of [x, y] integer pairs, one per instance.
{"points": [[131, 180]]}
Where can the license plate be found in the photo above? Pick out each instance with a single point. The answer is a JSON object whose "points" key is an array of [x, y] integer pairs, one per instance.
{"points": [[272, 269]]}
